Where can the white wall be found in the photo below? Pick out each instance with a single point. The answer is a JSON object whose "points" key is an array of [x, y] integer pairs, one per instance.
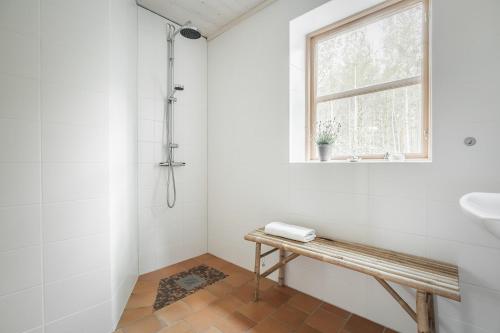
{"points": [[21, 243], [408, 207], [56, 193], [170, 235], [123, 153]]}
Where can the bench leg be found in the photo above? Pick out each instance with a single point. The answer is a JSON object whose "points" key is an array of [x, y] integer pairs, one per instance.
{"points": [[257, 271], [423, 312], [281, 272], [432, 320]]}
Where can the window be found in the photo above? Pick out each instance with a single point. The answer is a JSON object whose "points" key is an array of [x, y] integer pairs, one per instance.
{"points": [[369, 72]]}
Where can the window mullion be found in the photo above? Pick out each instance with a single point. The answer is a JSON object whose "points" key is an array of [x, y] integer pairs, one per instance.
{"points": [[371, 89]]}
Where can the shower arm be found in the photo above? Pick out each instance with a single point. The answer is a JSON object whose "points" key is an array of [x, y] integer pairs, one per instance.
{"points": [[172, 31]]}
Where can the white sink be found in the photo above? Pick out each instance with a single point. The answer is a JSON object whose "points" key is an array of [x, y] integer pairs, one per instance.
{"points": [[484, 206]]}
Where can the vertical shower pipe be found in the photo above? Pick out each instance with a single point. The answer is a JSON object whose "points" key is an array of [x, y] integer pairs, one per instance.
{"points": [[170, 116], [191, 32]]}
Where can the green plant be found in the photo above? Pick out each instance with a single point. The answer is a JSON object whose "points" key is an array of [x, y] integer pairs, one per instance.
{"points": [[327, 131]]}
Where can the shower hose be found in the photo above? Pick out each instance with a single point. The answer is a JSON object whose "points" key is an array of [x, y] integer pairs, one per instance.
{"points": [[171, 180]]}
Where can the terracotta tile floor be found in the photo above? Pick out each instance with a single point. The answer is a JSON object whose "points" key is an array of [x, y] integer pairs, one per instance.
{"points": [[227, 307]]}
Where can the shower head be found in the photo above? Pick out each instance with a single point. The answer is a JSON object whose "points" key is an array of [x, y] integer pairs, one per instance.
{"points": [[189, 31]]}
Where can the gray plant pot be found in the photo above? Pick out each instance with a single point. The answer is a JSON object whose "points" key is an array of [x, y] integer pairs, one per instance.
{"points": [[324, 152]]}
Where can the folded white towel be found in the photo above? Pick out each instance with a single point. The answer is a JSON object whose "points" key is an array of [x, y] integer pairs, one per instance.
{"points": [[290, 231]]}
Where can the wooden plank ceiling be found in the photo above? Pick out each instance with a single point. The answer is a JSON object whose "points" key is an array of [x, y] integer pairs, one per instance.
{"points": [[211, 16]]}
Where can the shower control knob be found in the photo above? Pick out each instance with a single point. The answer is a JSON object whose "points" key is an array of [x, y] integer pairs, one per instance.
{"points": [[174, 145], [470, 141]]}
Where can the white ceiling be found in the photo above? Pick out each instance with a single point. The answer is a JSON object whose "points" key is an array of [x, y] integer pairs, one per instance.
{"points": [[212, 17]]}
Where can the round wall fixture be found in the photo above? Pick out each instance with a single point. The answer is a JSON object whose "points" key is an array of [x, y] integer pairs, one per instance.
{"points": [[470, 141]]}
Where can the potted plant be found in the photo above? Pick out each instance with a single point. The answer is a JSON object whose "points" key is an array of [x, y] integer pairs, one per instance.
{"points": [[327, 132]]}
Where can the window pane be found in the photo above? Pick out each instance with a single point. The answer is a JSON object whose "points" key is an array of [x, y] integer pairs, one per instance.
{"points": [[386, 50], [387, 121]]}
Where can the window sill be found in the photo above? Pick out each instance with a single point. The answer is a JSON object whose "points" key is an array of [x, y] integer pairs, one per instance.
{"points": [[367, 161]]}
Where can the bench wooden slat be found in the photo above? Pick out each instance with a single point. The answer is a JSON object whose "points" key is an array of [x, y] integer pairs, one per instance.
{"points": [[394, 269], [427, 264], [396, 265], [423, 274]]}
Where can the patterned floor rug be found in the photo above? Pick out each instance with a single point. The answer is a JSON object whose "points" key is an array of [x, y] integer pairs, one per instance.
{"points": [[180, 285]]}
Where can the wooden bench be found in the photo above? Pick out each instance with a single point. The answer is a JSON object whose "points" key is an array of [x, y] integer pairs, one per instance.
{"points": [[428, 277]]}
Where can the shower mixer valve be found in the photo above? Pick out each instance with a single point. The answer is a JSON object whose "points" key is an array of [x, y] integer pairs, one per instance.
{"points": [[173, 164], [177, 87]]}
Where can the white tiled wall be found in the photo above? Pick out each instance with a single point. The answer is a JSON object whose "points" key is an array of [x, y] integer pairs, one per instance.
{"points": [[55, 163], [123, 154], [408, 207], [168, 235], [14, 307], [74, 156], [20, 167]]}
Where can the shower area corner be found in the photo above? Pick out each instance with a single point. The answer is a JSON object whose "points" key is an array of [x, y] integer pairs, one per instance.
{"points": [[172, 172]]}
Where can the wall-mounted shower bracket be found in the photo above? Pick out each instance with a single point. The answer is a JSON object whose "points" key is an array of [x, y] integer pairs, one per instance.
{"points": [[174, 164]]}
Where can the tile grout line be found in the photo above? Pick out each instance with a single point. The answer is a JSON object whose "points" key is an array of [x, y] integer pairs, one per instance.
{"points": [[21, 290], [10, 251], [309, 315], [346, 321], [257, 322], [79, 275], [42, 239], [76, 313]]}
